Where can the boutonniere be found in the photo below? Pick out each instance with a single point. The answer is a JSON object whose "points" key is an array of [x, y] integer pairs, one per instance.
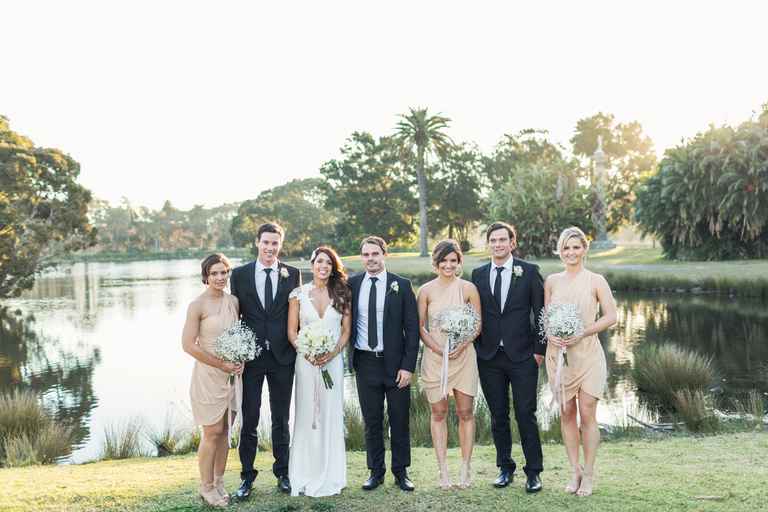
{"points": [[517, 271], [284, 272], [394, 287]]}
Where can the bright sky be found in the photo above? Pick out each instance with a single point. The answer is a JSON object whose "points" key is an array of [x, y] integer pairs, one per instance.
{"points": [[212, 102]]}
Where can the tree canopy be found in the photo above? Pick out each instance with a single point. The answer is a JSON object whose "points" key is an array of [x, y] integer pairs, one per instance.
{"points": [[43, 210]]}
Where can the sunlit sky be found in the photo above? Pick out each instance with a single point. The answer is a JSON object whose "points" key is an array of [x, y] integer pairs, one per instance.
{"points": [[206, 103]]}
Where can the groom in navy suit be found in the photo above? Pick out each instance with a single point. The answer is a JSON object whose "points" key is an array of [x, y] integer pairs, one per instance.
{"points": [[382, 351], [509, 351], [262, 288]]}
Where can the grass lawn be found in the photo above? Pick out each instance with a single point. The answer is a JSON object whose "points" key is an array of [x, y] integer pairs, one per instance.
{"points": [[724, 472], [622, 259]]}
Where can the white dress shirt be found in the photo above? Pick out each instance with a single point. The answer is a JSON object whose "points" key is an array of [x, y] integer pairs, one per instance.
{"points": [[362, 311], [261, 280], [506, 279]]}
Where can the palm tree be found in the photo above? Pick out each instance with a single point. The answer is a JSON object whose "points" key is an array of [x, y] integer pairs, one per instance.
{"points": [[425, 133]]}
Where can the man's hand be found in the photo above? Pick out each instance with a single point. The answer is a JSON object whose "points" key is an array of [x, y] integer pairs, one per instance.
{"points": [[403, 378], [539, 359]]}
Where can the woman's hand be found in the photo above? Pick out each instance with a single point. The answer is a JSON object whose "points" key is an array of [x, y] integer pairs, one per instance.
{"points": [[324, 359], [572, 340], [458, 350], [556, 341], [232, 368]]}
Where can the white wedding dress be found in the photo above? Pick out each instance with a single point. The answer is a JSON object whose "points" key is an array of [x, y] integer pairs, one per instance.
{"points": [[318, 462]]}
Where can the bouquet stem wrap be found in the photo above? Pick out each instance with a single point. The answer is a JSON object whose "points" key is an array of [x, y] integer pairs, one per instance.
{"points": [[237, 414]]}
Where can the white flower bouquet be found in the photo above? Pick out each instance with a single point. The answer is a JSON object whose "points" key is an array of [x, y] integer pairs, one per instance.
{"points": [[563, 321], [459, 325], [315, 340], [237, 344]]}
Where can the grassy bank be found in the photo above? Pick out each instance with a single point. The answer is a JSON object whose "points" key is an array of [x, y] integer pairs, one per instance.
{"points": [[715, 473], [626, 268]]}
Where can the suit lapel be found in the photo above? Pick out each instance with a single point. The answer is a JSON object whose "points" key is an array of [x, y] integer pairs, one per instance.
{"points": [[387, 292], [512, 283], [282, 284], [485, 285]]}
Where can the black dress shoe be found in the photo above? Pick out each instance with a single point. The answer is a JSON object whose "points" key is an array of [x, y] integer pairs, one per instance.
{"points": [[504, 479], [533, 483], [244, 491], [373, 482], [284, 484], [404, 483]]}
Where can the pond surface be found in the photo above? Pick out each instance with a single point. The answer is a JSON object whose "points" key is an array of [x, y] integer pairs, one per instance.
{"points": [[100, 342]]}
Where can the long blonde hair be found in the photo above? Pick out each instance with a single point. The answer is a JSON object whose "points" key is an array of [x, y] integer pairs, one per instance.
{"points": [[567, 234]]}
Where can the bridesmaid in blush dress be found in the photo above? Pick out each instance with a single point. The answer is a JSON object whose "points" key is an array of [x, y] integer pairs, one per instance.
{"points": [[445, 292], [583, 379], [211, 394]]}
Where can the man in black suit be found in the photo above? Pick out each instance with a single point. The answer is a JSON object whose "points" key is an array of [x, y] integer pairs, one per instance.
{"points": [[509, 351], [385, 343], [262, 288]]}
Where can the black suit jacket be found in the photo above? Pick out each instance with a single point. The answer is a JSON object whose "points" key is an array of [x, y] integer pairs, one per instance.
{"points": [[269, 325], [518, 325], [401, 324]]}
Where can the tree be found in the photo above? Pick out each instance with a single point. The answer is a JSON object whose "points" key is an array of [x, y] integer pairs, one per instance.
{"points": [[456, 193], [297, 206], [43, 210], [527, 148], [370, 190], [708, 198], [423, 133], [540, 206], [630, 158]]}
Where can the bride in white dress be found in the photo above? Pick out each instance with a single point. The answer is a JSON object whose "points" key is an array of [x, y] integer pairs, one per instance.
{"points": [[318, 462]]}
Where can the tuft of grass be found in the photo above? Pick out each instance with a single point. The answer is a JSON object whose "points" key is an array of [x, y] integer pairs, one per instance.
{"points": [[695, 409], [751, 410], [123, 441], [354, 427], [660, 371], [28, 435]]}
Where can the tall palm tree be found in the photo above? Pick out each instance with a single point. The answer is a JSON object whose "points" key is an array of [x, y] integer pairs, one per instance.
{"points": [[425, 133]]}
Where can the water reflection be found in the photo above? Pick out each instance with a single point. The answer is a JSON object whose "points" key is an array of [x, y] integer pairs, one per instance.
{"points": [[101, 343], [64, 379]]}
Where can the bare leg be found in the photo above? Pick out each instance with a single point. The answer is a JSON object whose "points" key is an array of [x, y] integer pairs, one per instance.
{"points": [[571, 438], [590, 437], [206, 459], [220, 461], [438, 426], [465, 410]]}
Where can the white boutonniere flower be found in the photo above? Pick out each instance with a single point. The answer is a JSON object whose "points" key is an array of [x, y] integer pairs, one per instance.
{"points": [[517, 270], [394, 287], [284, 273]]}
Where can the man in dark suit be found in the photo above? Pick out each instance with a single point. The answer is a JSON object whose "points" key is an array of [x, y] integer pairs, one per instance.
{"points": [[262, 288], [383, 350], [509, 351]]}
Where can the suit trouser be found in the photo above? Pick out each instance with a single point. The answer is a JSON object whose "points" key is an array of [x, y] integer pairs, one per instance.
{"points": [[280, 381], [496, 376], [373, 387]]}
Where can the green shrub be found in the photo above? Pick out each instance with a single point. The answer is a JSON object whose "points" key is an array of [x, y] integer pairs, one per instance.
{"points": [[660, 371], [123, 441], [696, 411]]}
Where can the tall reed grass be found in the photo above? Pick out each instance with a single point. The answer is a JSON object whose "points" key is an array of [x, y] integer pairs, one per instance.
{"points": [[695, 408], [28, 434], [123, 440], [661, 371]]}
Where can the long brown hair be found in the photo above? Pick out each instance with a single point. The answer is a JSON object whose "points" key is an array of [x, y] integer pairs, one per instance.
{"points": [[338, 289]]}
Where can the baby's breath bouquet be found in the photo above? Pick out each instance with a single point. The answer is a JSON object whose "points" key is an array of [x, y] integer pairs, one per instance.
{"points": [[237, 344], [459, 324], [563, 321], [314, 340]]}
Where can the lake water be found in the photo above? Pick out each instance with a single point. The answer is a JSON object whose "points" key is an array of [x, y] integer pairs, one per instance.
{"points": [[101, 343]]}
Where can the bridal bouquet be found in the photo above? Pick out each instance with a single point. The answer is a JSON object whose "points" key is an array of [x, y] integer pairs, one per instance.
{"points": [[459, 325], [315, 340], [237, 344], [563, 321]]}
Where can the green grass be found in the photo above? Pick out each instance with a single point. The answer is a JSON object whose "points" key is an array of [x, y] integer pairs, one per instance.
{"points": [[626, 268], [711, 473]]}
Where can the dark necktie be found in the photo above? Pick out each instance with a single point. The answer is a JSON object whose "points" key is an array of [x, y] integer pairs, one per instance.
{"points": [[373, 331], [497, 287], [268, 290]]}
